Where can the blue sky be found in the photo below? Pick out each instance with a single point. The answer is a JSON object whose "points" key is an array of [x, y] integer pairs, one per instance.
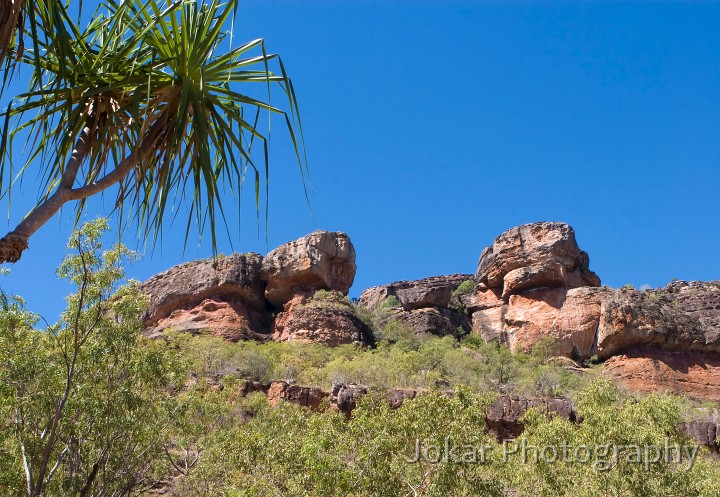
{"points": [[431, 127]]}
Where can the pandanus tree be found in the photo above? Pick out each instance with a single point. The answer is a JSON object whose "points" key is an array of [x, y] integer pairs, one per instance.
{"points": [[146, 101]]}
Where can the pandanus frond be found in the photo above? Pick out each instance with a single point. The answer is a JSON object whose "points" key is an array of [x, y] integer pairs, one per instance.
{"points": [[163, 107]]}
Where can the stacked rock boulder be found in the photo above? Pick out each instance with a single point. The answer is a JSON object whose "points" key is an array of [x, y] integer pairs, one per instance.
{"points": [[534, 281], [295, 271], [425, 306], [246, 296]]}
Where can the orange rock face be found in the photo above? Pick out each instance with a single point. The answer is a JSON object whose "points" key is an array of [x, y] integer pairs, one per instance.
{"points": [[488, 314], [570, 316], [693, 374], [232, 321]]}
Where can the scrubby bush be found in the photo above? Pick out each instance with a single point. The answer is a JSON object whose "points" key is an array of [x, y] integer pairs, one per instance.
{"points": [[401, 359], [286, 450], [85, 404], [465, 288]]}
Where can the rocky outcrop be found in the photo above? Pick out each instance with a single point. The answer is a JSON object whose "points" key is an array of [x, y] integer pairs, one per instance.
{"points": [[330, 320], [223, 297], [648, 369], [230, 320], [435, 291], [571, 317], [532, 282], [438, 321], [680, 317], [320, 260], [426, 306], [533, 256], [525, 290], [234, 277]]}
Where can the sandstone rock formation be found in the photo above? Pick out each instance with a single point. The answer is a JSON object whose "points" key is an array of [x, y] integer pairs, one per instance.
{"points": [[533, 256], [526, 283], [682, 316], [235, 276], [320, 260], [438, 321], [435, 291], [224, 296], [571, 317], [487, 310], [330, 320], [532, 282], [231, 320], [425, 304], [647, 369]]}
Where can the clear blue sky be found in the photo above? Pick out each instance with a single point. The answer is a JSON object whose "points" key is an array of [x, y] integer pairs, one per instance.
{"points": [[431, 127]]}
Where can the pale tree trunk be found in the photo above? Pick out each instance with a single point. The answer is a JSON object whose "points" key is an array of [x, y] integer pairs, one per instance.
{"points": [[16, 242]]}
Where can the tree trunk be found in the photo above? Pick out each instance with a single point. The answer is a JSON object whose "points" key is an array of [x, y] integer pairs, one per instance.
{"points": [[16, 242]]}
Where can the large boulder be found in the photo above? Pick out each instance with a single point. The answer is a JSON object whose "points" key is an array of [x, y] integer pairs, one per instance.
{"points": [[234, 277], [533, 256], [223, 297], [330, 320], [320, 260], [435, 291]]}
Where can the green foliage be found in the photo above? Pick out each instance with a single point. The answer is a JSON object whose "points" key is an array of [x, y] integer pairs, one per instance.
{"points": [[465, 288], [615, 421], [594, 360], [84, 404], [286, 450], [330, 298], [401, 359], [391, 302], [149, 96], [545, 348]]}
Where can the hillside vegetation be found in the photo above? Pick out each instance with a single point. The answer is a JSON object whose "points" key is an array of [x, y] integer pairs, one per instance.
{"points": [[90, 407]]}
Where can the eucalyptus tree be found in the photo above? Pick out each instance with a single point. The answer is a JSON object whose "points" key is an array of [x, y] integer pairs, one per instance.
{"points": [[147, 100]]}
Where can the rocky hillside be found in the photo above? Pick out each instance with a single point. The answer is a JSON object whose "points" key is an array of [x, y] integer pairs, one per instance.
{"points": [[533, 281]]}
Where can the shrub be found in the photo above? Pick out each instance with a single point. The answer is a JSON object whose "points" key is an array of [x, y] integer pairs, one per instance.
{"points": [[464, 288], [391, 302]]}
